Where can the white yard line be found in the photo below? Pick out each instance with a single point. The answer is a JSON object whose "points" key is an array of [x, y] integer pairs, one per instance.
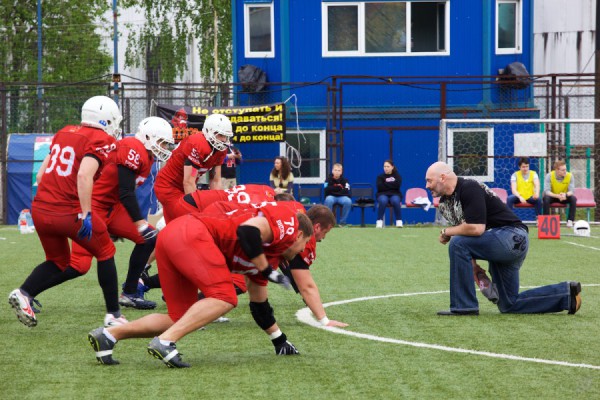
{"points": [[304, 315]]}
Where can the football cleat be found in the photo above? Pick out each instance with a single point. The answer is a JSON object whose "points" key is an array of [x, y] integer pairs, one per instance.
{"points": [[135, 301], [20, 303], [103, 347], [111, 320], [167, 354]]}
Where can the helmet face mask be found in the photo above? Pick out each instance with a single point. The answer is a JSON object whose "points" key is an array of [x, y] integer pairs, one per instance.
{"points": [[103, 113], [217, 124], [157, 136], [581, 228]]}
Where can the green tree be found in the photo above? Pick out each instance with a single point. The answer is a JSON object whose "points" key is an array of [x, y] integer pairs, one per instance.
{"points": [[72, 51], [161, 44]]}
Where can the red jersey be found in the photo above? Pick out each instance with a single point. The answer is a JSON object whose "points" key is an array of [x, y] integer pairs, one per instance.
{"points": [[198, 151], [240, 194], [131, 154], [57, 191], [310, 251], [223, 229]]}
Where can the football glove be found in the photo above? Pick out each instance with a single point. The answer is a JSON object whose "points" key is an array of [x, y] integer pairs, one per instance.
{"points": [[283, 347], [276, 277], [148, 232], [85, 232]]}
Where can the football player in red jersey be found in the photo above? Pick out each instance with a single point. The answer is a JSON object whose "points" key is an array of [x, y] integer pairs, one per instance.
{"points": [[199, 200], [114, 200], [298, 269], [62, 207], [195, 156], [200, 252]]}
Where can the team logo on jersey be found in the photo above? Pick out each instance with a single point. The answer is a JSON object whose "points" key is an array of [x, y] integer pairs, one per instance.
{"points": [[281, 229], [195, 157]]}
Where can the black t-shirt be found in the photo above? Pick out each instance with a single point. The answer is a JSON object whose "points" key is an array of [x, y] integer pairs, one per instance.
{"points": [[474, 203]]}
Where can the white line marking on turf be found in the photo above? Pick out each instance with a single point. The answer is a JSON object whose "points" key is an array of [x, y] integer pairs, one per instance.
{"points": [[581, 245], [304, 315]]}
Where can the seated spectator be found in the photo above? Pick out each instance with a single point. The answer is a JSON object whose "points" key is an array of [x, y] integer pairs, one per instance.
{"points": [[388, 192], [281, 178], [337, 191], [228, 169], [559, 187], [525, 187]]}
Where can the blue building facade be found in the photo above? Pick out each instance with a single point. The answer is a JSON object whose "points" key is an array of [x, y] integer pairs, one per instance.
{"points": [[367, 81]]}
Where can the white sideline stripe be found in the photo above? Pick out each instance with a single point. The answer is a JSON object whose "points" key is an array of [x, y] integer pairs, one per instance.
{"points": [[581, 245], [304, 315]]}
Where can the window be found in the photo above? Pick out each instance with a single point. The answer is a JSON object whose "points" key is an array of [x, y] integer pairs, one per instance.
{"points": [[471, 151], [388, 28], [259, 40], [509, 14], [311, 147]]}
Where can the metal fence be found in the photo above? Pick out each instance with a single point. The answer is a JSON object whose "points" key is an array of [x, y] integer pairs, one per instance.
{"points": [[336, 101]]}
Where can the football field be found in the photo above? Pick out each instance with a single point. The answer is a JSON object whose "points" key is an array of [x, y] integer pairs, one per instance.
{"points": [[387, 284]]}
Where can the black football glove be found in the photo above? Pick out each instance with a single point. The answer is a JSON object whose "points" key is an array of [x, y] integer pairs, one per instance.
{"points": [[276, 277], [283, 347], [148, 232]]}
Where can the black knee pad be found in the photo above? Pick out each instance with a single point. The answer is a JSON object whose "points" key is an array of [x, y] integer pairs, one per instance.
{"points": [[262, 314]]}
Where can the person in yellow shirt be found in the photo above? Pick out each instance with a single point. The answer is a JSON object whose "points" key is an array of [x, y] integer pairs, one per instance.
{"points": [[525, 187], [559, 187]]}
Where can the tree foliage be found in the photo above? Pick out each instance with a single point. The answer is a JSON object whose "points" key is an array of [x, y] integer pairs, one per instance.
{"points": [[71, 40], [162, 43], [72, 51]]}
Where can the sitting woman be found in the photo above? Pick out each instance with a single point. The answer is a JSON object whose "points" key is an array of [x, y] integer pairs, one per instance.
{"points": [[388, 192], [281, 178]]}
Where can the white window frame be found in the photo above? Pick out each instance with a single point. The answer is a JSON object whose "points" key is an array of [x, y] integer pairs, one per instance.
{"points": [[258, 54], [361, 32], [518, 27], [283, 147], [490, 153]]}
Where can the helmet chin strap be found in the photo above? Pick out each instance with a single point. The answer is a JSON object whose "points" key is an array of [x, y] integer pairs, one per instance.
{"points": [[211, 153]]}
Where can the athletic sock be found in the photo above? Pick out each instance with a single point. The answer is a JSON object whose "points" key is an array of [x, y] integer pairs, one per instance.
{"points": [[108, 280]]}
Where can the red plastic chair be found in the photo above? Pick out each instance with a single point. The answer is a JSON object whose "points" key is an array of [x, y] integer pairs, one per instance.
{"points": [[412, 194], [585, 198], [501, 193]]}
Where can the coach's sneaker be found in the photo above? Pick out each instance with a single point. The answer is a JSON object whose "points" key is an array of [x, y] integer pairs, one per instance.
{"points": [[569, 223], [20, 303], [575, 297], [398, 223], [135, 301], [111, 320], [103, 346], [379, 223], [166, 353]]}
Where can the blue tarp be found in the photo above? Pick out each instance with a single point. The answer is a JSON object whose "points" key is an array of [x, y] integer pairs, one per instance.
{"points": [[25, 154]]}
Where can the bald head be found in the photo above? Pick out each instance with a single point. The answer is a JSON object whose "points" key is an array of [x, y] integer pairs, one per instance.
{"points": [[440, 179]]}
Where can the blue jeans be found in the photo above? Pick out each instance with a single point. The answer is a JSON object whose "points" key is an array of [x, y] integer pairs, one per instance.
{"points": [[536, 203], [344, 201], [382, 202], [505, 249]]}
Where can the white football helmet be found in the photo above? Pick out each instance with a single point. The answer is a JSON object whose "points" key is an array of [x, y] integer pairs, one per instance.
{"points": [[581, 228], [103, 113], [217, 124], [154, 132]]}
